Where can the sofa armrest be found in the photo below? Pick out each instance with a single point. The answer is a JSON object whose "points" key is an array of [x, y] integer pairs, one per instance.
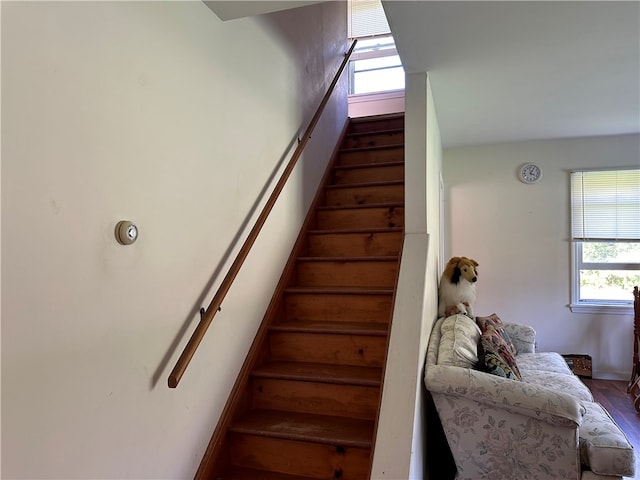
{"points": [[550, 406], [522, 336], [507, 429]]}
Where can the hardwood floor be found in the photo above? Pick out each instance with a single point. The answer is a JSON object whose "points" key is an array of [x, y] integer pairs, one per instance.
{"points": [[612, 395]]}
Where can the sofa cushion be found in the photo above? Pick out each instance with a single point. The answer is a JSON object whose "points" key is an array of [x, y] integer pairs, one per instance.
{"points": [[603, 446], [494, 321], [495, 355], [545, 361], [562, 382], [458, 342]]}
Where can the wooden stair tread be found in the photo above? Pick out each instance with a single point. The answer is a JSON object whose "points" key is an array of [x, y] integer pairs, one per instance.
{"points": [[379, 258], [371, 148], [241, 473], [305, 427], [361, 205], [385, 183], [341, 290], [356, 231], [357, 166], [375, 132], [321, 372], [373, 118], [341, 327]]}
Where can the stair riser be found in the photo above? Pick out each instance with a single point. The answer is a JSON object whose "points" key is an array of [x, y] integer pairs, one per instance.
{"points": [[360, 157], [298, 458], [374, 139], [312, 372], [347, 274], [350, 308], [359, 350], [314, 397], [354, 218], [386, 173], [366, 195], [354, 244], [377, 125]]}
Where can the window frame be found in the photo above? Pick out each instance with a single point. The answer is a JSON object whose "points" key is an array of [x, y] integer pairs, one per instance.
{"points": [[611, 306], [368, 54], [366, 20]]}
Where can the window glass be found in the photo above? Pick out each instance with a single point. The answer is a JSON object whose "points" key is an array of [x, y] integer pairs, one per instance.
{"points": [[611, 252], [608, 271], [376, 75]]}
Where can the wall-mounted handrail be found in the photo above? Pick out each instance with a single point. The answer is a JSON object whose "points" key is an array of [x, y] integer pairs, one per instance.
{"points": [[216, 302]]}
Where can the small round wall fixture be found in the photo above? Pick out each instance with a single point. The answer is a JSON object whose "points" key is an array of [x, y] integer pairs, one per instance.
{"points": [[126, 232], [530, 173]]}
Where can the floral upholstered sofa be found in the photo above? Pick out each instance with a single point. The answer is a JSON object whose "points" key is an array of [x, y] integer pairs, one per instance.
{"points": [[519, 417]]}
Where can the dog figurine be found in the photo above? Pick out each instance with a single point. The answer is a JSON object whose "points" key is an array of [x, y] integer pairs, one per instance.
{"points": [[457, 291]]}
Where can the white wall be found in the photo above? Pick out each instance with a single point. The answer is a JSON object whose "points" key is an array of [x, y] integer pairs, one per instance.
{"points": [[160, 113], [376, 104], [519, 235], [430, 307], [400, 447]]}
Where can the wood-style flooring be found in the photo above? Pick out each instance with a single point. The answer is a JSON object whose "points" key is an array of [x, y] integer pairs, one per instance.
{"points": [[612, 395]]}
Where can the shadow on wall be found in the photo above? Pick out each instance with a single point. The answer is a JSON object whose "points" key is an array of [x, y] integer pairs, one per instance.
{"points": [[207, 293], [317, 62]]}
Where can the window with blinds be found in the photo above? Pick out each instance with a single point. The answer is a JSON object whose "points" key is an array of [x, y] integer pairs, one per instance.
{"points": [[605, 205], [605, 234], [367, 18], [375, 65]]}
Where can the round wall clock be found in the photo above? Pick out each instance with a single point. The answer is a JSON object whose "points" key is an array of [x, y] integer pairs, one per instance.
{"points": [[530, 173]]}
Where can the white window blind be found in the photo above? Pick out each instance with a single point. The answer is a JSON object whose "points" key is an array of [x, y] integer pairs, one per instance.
{"points": [[605, 205], [367, 18]]}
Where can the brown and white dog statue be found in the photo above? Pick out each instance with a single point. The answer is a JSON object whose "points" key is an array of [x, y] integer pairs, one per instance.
{"points": [[457, 291]]}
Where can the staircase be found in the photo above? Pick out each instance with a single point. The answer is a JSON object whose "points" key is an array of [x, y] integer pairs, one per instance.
{"points": [[305, 405]]}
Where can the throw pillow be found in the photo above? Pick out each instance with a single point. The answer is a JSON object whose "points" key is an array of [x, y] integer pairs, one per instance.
{"points": [[494, 321], [459, 342], [496, 357]]}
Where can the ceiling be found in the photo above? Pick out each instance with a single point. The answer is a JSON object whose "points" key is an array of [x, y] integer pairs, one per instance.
{"points": [[514, 70], [508, 71], [232, 9]]}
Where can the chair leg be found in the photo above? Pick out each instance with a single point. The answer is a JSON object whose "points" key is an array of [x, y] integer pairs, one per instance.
{"points": [[633, 381]]}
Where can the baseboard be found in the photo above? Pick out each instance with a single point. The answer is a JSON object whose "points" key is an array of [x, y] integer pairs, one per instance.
{"points": [[605, 375]]}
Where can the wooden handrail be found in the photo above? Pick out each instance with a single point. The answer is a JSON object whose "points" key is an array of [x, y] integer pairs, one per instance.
{"points": [[214, 306]]}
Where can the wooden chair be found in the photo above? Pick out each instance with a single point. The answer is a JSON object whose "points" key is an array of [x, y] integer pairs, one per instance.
{"points": [[634, 383]]}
